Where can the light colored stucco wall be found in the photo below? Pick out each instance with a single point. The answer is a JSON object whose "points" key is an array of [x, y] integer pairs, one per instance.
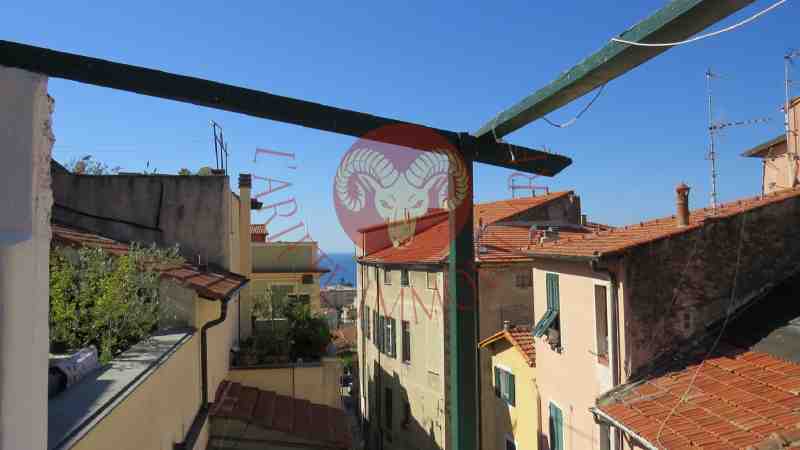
{"points": [[158, 412], [261, 283], [573, 378], [315, 383], [521, 421], [420, 382], [220, 339], [26, 139]]}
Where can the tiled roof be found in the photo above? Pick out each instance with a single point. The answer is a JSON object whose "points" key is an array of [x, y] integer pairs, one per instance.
{"points": [[496, 242], [518, 336], [762, 149], [745, 391], [623, 238], [213, 285], [273, 411]]}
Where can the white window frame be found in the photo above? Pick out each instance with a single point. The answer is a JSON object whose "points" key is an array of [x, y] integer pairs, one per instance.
{"points": [[608, 321], [435, 277], [387, 275], [507, 370]]}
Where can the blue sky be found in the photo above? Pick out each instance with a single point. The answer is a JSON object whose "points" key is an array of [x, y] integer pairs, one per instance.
{"points": [[441, 63]]}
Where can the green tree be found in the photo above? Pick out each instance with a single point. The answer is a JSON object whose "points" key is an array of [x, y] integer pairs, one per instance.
{"points": [[87, 165], [184, 171], [107, 301], [205, 171]]}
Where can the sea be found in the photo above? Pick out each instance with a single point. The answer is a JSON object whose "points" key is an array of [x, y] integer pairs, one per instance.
{"points": [[342, 268]]}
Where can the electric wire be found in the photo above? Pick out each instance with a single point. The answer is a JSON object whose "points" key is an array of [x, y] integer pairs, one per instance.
{"points": [[577, 116], [719, 335], [702, 36]]}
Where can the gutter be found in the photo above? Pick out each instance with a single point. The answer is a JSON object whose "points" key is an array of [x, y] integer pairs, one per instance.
{"points": [[616, 424], [202, 413]]}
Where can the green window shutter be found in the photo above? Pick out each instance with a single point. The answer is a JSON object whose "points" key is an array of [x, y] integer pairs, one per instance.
{"points": [[497, 382], [556, 428], [511, 389], [556, 295], [393, 336]]}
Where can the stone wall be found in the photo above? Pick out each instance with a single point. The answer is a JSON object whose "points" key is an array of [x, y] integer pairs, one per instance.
{"points": [[667, 300]]}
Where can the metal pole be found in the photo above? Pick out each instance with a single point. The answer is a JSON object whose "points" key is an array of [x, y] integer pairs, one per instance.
{"points": [[462, 314], [787, 127], [712, 151]]}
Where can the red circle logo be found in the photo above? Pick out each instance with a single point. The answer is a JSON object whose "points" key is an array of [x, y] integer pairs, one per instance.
{"points": [[387, 187]]}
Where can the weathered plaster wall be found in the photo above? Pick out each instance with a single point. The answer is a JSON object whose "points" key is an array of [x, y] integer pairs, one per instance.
{"points": [[566, 209], [420, 382], [283, 256], [193, 211], [662, 308], [26, 140]]}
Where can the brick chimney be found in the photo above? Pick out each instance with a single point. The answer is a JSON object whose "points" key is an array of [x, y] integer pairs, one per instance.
{"points": [[245, 249], [682, 194]]}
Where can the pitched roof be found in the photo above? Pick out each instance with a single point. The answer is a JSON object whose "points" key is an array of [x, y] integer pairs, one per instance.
{"points": [[272, 411], [520, 337], [214, 285], [496, 242], [619, 239], [747, 389], [763, 149]]}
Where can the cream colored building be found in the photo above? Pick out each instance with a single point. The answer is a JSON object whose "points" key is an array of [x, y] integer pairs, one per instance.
{"points": [[402, 331], [779, 160], [516, 396]]}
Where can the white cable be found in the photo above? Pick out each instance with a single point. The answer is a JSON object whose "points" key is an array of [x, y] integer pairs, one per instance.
{"points": [[702, 36]]}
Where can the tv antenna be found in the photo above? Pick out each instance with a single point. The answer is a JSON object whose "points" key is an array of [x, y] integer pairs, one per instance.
{"points": [[526, 186], [220, 149], [715, 128]]}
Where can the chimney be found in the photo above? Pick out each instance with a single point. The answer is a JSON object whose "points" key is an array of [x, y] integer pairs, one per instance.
{"points": [[245, 249], [682, 216], [506, 324], [584, 219]]}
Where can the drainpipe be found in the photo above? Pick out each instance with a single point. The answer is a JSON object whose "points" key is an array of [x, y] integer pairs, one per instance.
{"points": [[597, 267], [202, 413]]}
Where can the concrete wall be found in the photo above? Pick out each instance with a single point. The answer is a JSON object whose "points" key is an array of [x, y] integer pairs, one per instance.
{"points": [[770, 252], [419, 382], [193, 211], [26, 139], [572, 378], [521, 421], [317, 383], [158, 412], [499, 300]]}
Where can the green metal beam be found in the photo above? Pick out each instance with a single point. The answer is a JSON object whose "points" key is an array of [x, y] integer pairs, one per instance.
{"points": [[251, 102], [678, 20]]}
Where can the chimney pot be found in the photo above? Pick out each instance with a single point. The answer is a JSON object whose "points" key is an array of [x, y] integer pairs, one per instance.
{"points": [[245, 180], [682, 203], [506, 324]]}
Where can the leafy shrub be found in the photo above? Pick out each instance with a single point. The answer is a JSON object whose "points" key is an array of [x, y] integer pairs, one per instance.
{"points": [[107, 301]]}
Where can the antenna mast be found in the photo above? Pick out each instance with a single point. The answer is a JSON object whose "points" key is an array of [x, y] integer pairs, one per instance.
{"points": [[788, 88], [712, 154]]}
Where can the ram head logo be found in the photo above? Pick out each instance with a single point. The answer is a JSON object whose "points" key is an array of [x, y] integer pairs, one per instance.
{"points": [[368, 179]]}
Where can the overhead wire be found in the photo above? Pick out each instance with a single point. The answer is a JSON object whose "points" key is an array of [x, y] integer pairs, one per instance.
{"points": [[577, 116], [702, 36], [719, 335]]}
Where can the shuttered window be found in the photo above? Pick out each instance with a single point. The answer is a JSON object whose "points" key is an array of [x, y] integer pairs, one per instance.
{"points": [[504, 385], [550, 319], [406, 341], [601, 322], [556, 428]]}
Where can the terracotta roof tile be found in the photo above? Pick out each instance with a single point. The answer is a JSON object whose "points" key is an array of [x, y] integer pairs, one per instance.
{"points": [[215, 285], [623, 238], [519, 337], [258, 228], [496, 242], [298, 417]]}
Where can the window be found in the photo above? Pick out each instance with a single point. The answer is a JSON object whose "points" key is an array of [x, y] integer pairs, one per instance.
{"points": [[404, 277], [366, 318], [431, 278], [304, 299], [523, 280], [389, 408], [601, 323], [390, 342], [504, 385], [406, 414], [381, 334], [510, 444], [550, 323], [308, 279], [406, 341], [387, 276], [556, 428]]}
